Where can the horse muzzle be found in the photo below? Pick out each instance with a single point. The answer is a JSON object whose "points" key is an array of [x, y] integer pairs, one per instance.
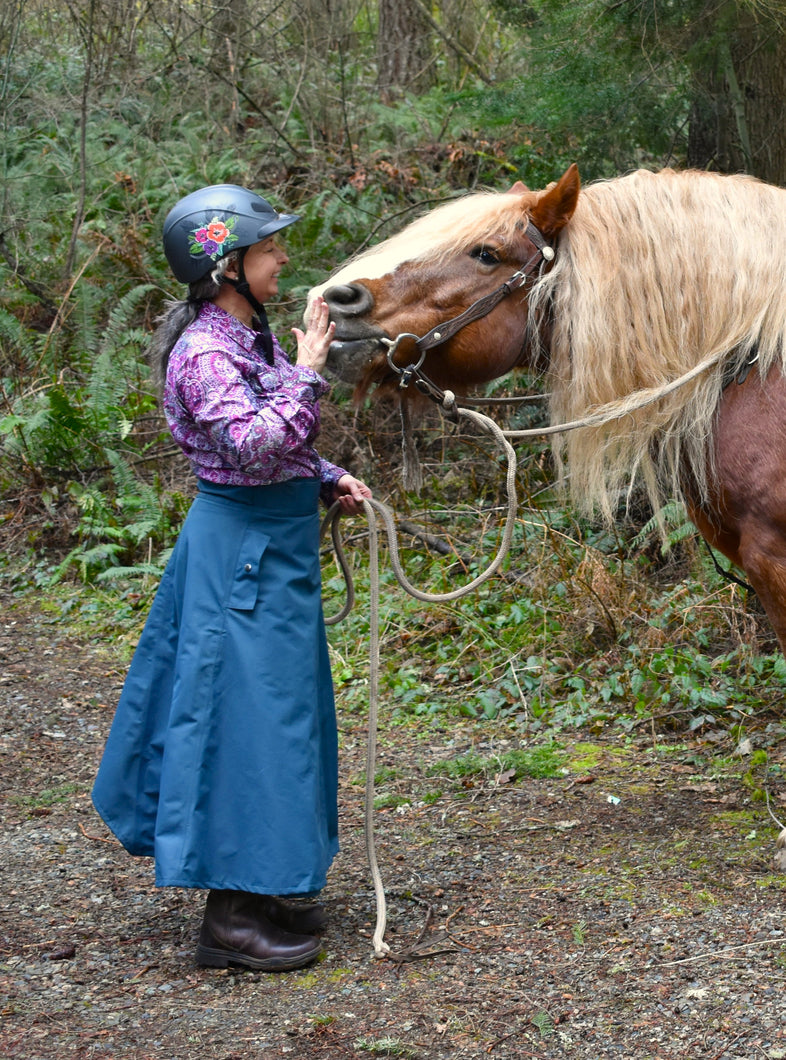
{"points": [[357, 342]]}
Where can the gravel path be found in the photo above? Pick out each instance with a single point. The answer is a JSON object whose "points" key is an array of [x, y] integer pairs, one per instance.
{"points": [[627, 907]]}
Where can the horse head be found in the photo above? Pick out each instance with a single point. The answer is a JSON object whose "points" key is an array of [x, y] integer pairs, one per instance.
{"points": [[432, 272]]}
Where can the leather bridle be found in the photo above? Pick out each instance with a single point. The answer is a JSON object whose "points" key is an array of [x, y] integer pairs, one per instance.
{"points": [[411, 373]]}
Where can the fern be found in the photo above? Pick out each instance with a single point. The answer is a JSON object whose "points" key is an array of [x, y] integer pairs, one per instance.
{"points": [[117, 334], [86, 561], [670, 522], [544, 1023], [20, 348], [85, 320], [139, 570]]}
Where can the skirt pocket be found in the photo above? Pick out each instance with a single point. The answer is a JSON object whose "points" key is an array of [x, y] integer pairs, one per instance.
{"points": [[246, 581]]}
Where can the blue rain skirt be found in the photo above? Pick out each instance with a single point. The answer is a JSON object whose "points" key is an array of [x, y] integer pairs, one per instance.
{"points": [[221, 762]]}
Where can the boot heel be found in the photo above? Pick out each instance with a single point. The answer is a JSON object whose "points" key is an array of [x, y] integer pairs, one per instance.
{"points": [[211, 958]]}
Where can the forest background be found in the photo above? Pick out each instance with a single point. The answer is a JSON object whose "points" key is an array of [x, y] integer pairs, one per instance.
{"points": [[358, 115]]}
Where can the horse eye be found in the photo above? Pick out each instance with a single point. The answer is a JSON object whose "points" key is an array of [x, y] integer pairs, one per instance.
{"points": [[485, 256]]}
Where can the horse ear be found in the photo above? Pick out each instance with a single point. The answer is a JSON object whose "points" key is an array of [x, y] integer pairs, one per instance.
{"points": [[556, 204], [518, 189]]}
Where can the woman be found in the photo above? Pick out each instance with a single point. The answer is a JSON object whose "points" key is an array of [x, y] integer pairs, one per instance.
{"points": [[222, 758]]}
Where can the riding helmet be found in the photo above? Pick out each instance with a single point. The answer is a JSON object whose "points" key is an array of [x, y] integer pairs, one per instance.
{"points": [[206, 225]]}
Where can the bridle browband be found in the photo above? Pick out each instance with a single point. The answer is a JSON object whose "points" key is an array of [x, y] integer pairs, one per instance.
{"points": [[479, 309]]}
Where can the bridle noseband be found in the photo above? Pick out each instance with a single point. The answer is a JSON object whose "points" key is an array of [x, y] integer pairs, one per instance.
{"points": [[482, 307]]}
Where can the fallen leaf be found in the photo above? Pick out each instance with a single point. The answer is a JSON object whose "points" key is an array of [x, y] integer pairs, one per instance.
{"points": [[506, 777], [65, 953]]}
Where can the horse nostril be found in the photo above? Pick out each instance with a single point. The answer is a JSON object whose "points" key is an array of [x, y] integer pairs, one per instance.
{"points": [[349, 299]]}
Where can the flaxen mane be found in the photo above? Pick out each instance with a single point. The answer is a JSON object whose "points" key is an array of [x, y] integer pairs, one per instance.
{"points": [[654, 274]]}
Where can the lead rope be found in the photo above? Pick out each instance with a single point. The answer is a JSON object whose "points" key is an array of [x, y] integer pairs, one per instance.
{"points": [[447, 403], [372, 509]]}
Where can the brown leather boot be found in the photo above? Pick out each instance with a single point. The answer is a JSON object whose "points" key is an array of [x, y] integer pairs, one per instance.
{"points": [[302, 918], [236, 931]]}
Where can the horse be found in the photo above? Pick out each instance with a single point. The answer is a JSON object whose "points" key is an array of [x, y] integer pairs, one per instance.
{"points": [[654, 303]]}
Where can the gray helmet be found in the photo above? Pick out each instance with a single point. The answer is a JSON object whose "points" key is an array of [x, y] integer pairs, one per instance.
{"points": [[207, 224]]}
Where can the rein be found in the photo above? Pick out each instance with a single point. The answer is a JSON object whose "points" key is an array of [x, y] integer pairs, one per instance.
{"points": [[374, 508]]}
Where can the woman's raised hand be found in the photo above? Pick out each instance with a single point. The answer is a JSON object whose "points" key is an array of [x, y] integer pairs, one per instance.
{"points": [[314, 343]]}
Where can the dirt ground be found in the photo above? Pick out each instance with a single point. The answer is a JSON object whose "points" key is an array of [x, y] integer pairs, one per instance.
{"points": [[626, 908]]}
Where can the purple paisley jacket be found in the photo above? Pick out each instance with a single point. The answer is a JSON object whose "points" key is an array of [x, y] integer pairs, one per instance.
{"points": [[240, 421]]}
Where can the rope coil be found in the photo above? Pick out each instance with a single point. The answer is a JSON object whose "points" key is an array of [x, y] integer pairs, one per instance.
{"points": [[373, 509]]}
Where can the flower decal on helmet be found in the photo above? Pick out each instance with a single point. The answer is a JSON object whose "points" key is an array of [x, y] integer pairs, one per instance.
{"points": [[213, 239]]}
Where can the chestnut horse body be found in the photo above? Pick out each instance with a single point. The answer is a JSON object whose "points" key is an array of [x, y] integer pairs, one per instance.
{"points": [[653, 277]]}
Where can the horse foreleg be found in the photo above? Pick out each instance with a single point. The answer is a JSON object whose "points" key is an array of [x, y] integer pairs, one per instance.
{"points": [[745, 517]]}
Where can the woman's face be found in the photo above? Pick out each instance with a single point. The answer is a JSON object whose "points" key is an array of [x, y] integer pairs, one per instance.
{"points": [[262, 264]]}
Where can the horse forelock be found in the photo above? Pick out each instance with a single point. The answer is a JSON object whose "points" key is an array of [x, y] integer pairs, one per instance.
{"points": [[654, 274], [438, 235]]}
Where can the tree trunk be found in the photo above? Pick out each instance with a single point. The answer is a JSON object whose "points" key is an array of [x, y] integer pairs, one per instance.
{"points": [[758, 57], [327, 24], [738, 121], [404, 59]]}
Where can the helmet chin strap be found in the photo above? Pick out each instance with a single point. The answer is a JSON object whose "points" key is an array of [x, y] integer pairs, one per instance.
{"points": [[259, 320]]}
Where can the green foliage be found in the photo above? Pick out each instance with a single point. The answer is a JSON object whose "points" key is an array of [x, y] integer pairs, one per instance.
{"points": [[47, 798], [583, 632], [545, 760], [114, 524], [544, 1023], [587, 93], [105, 121], [76, 429], [672, 681], [671, 524], [385, 1047]]}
